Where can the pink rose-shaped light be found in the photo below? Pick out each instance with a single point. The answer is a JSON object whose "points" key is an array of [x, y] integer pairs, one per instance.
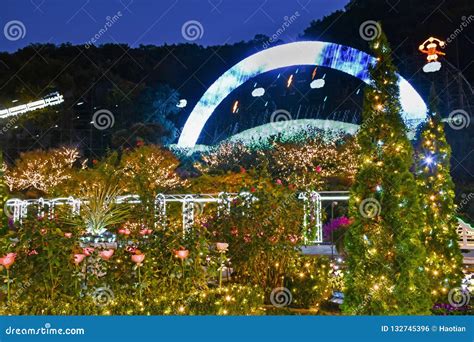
{"points": [[278, 181], [8, 260], [222, 247], [181, 254], [106, 255], [138, 258], [146, 231], [43, 231], [124, 231], [68, 235], [78, 258], [319, 169]]}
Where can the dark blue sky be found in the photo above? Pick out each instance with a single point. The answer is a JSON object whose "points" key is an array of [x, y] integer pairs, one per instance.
{"points": [[153, 21]]}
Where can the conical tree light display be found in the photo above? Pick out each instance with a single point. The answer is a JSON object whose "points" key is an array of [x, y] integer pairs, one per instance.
{"points": [[386, 256], [436, 192]]}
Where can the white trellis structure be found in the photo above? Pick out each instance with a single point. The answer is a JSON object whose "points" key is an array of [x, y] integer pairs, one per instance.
{"points": [[312, 219], [18, 209]]}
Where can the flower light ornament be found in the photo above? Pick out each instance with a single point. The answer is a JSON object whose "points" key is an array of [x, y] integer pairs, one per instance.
{"points": [[107, 254], [6, 262], [222, 248], [138, 258], [78, 258], [182, 254], [145, 231], [124, 231]]}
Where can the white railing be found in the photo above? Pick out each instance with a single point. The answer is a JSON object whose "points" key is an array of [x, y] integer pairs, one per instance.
{"points": [[18, 209], [466, 235]]}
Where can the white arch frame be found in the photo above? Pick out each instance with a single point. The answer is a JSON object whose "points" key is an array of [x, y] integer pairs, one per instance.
{"points": [[339, 57]]}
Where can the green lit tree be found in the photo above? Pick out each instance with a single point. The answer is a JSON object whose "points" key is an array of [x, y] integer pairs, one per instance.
{"points": [[436, 192], [385, 274]]}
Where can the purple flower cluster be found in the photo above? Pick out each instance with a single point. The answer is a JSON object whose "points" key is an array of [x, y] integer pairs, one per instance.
{"points": [[448, 309], [334, 225]]}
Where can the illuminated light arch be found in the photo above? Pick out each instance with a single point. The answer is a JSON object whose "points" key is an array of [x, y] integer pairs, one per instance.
{"points": [[339, 57]]}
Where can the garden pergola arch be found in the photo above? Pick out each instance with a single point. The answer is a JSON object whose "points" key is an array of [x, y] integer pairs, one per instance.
{"points": [[339, 57]]}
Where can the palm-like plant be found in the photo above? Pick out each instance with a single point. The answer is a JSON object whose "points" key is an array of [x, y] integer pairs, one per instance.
{"points": [[99, 209]]}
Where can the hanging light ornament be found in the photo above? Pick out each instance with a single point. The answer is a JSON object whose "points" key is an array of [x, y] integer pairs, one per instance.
{"points": [[319, 83], [235, 107], [258, 92], [290, 81], [182, 103], [430, 48]]}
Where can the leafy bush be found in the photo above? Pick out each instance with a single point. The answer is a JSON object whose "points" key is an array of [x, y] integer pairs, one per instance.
{"points": [[263, 229], [309, 281]]}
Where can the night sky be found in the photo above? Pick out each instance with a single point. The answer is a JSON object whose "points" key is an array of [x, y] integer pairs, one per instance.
{"points": [[156, 21]]}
